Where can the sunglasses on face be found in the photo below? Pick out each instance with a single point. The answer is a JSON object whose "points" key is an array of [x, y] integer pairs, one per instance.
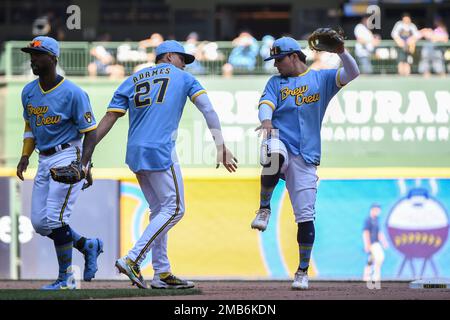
{"points": [[278, 60]]}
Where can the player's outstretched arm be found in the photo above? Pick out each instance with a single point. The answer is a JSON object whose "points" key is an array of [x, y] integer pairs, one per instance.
{"points": [[224, 155], [107, 122]]}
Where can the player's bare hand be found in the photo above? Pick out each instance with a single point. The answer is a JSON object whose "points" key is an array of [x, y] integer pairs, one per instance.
{"points": [[22, 166], [225, 157], [88, 177], [265, 129]]}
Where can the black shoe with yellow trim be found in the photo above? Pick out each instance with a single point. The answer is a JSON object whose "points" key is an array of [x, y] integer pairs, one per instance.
{"points": [[168, 281], [132, 271]]}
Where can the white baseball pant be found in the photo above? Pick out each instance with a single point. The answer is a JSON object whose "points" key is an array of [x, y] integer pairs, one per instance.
{"points": [[52, 202], [301, 181], [164, 191]]}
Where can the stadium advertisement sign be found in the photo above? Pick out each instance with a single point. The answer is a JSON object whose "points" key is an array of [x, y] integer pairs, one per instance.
{"points": [[96, 214], [372, 122], [216, 231], [381, 122]]}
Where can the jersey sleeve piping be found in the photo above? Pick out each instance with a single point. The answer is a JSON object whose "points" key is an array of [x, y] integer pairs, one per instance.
{"points": [[195, 95], [268, 102], [93, 127]]}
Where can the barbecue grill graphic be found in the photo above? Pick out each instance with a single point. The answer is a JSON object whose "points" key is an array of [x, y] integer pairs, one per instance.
{"points": [[418, 227]]}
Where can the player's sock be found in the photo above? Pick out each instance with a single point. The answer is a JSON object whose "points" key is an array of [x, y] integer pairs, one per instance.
{"points": [[78, 240], [62, 238], [265, 196], [269, 181], [305, 239]]}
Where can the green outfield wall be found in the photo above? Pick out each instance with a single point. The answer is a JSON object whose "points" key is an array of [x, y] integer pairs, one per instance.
{"points": [[378, 121]]}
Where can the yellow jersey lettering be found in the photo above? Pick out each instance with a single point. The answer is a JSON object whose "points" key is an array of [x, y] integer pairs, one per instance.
{"points": [[311, 99], [47, 121], [36, 110], [299, 94]]}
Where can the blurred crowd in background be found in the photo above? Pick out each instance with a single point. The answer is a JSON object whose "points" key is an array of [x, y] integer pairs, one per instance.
{"points": [[247, 53]]}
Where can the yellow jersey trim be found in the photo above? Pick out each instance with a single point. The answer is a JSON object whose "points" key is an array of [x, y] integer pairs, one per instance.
{"points": [[269, 103], [116, 110], [302, 74], [93, 127], [195, 95], [50, 90]]}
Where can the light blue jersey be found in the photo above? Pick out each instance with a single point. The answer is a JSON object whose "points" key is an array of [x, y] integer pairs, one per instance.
{"points": [[155, 98], [299, 105], [59, 115]]}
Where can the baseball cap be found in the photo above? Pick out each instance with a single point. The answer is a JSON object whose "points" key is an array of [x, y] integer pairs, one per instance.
{"points": [[375, 205], [43, 44], [174, 46], [282, 47]]}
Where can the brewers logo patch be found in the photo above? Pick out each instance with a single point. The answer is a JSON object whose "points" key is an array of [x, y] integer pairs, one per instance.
{"points": [[88, 117]]}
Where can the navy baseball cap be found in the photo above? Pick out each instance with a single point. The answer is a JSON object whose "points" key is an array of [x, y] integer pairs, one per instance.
{"points": [[43, 44], [375, 205], [282, 47], [174, 46]]}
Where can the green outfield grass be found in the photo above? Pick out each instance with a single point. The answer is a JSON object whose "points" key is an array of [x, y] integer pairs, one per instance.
{"points": [[33, 294]]}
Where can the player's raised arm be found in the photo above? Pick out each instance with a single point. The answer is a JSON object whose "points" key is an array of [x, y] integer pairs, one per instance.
{"points": [[327, 39], [224, 155], [350, 68]]}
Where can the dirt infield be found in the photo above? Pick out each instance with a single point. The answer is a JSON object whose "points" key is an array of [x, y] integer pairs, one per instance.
{"points": [[271, 290]]}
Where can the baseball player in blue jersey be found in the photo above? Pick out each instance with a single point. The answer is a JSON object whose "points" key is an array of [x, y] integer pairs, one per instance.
{"points": [[291, 111], [155, 99], [57, 115]]}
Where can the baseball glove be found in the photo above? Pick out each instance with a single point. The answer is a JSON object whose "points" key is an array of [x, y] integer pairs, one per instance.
{"points": [[326, 39], [69, 174]]}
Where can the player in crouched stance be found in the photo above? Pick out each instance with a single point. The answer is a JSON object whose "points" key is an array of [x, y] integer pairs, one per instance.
{"points": [[291, 111], [155, 98]]}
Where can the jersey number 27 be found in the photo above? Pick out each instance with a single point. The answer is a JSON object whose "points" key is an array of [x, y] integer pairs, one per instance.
{"points": [[142, 90]]}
